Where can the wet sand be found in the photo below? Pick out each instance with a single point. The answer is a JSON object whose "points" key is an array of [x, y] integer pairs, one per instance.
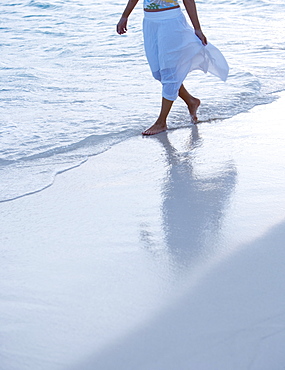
{"points": [[164, 252]]}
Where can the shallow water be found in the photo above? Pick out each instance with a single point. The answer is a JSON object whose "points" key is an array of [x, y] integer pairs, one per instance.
{"points": [[72, 88]]}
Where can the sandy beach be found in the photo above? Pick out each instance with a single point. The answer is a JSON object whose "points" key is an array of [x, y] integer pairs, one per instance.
{"points": [[161, 253]]}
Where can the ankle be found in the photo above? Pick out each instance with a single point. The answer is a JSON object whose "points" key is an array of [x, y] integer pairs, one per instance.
{"points": [[160, 122]]}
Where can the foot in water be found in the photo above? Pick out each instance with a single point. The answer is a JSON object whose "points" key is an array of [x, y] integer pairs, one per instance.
{"points": [[160, 124], [193, 106], [158, 127]]}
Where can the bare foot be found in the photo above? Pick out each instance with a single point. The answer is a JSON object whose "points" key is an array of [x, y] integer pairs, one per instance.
{"points": [[193, 106], [158, 127]]}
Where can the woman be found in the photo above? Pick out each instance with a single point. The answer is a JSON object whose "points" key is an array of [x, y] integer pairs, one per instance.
{"points": [[173, 50]]}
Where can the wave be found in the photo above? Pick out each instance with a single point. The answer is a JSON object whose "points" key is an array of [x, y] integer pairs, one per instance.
{"points": [[5, 162], [90, 145], [243, 3], [36, 172], [42, 5]]}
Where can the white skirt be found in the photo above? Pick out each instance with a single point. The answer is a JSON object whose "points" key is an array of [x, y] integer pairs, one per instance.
{"points": [[173, 50]]}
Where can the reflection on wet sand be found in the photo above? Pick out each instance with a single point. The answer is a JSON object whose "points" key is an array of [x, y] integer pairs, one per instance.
{"points": [[193, 205]]}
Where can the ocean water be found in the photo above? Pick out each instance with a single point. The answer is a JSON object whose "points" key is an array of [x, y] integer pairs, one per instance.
{"points": [[71, 87]]}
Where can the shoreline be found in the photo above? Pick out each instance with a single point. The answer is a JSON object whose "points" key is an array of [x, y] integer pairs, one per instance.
{"points": [[162, 250], [116, 142]]}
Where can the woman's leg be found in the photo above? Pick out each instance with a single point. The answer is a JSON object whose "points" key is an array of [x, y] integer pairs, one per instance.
{"points": [[193, 103], [160, 124]]}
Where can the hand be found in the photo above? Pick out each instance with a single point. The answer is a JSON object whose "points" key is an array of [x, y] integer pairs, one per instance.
{"points": [[122, 26], [201, 36]]}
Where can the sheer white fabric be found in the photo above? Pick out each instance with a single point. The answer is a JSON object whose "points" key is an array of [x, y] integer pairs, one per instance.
{"points": [[173, 50]]}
